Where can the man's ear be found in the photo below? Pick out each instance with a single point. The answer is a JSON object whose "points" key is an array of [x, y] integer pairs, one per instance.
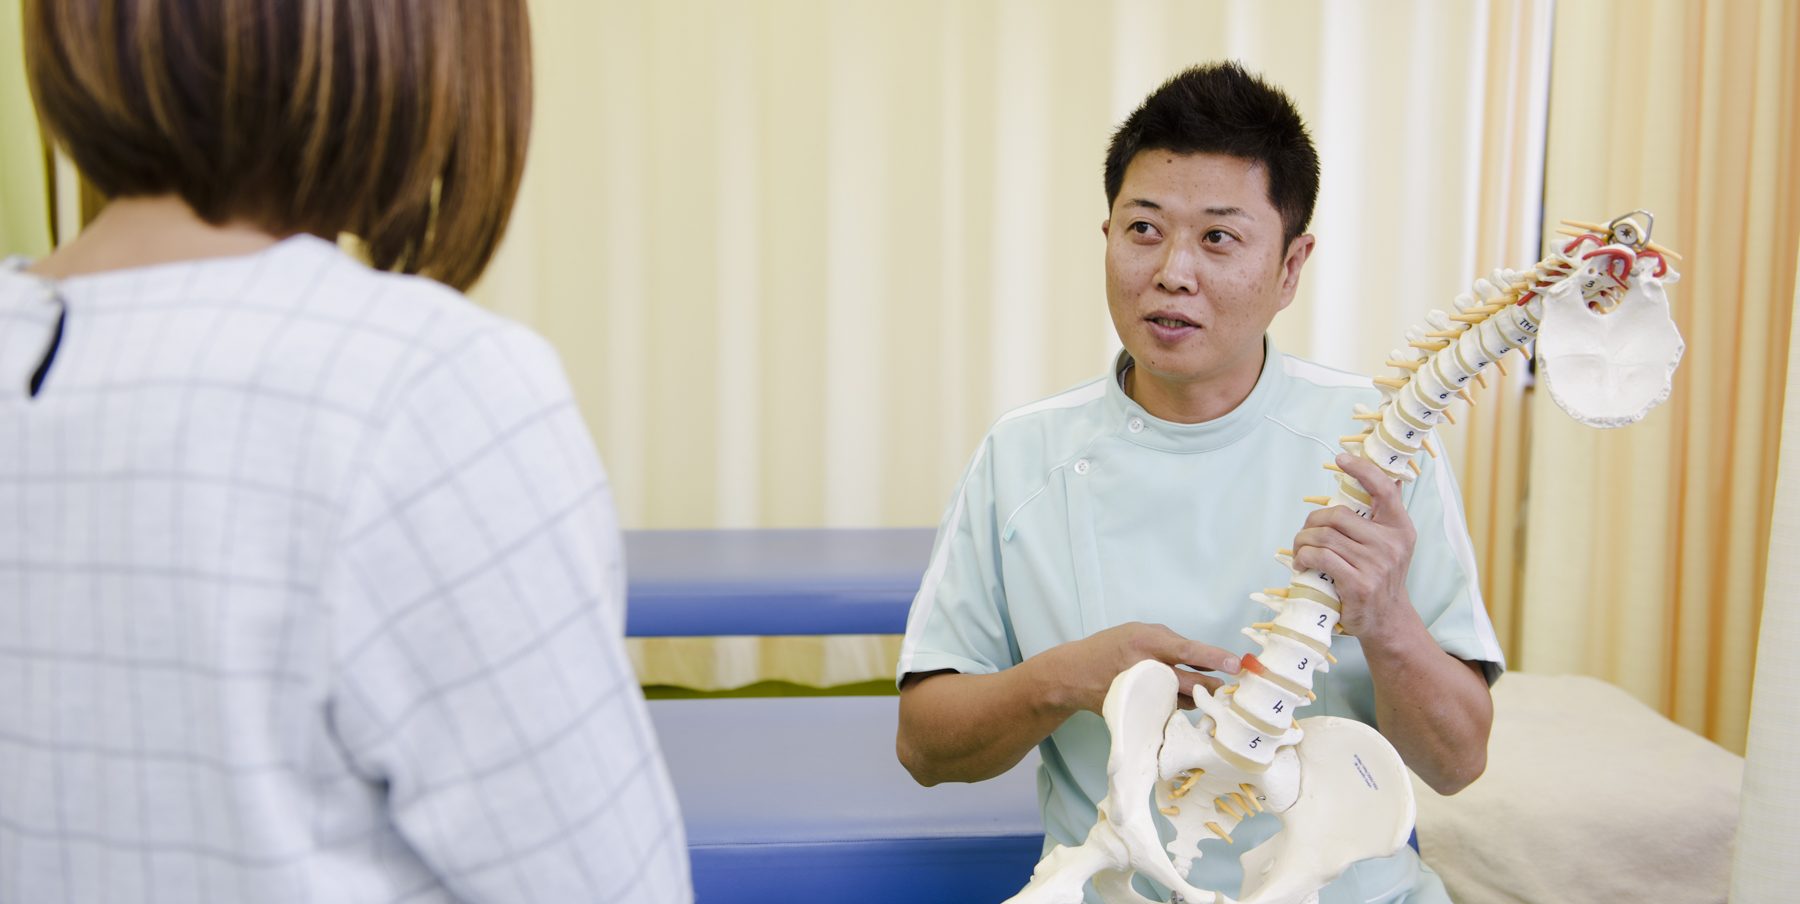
{"points": [[1298, 251], [1106, 227]]}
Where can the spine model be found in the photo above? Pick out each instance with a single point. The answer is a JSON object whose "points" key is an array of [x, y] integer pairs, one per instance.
{"points": [[1253, 716]]}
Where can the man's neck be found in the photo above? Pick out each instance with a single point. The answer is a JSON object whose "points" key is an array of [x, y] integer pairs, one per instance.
{"points": [[144, 232], [1191, 401]]}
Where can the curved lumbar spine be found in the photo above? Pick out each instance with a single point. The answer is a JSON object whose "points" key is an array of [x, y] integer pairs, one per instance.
{"points": [[1245, 753]]}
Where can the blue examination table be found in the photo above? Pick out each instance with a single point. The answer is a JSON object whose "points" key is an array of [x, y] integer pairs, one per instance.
{"points": [[801, 799]]}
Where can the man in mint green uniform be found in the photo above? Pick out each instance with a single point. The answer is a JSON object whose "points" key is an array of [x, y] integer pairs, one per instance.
{"points": [[1130, 518]]}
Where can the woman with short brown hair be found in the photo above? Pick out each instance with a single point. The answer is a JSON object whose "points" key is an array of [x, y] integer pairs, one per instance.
{"points": [[402, 122], [310, 578]]}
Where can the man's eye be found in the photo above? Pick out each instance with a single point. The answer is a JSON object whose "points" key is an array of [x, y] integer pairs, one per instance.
{"points": [[1143, 228], [1217, 236]]}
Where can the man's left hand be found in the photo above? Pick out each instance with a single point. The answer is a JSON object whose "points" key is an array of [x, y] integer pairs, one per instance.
{"points": [[1367, 558]]}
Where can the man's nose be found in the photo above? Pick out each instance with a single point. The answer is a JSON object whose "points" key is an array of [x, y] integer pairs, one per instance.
{"points": [[1179, 273]]}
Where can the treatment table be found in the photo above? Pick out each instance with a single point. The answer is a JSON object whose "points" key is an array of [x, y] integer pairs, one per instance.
{"points": [[801, 799]]}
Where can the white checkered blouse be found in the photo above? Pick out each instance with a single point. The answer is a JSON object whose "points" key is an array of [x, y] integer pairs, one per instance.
{"points": [[310, 590]]}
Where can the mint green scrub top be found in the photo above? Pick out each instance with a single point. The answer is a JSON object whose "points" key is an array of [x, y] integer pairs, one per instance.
{"points": [[1083, 511]]}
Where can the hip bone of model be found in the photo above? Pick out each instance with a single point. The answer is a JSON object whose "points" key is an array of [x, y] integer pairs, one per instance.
{"points": [[1596, 312]]}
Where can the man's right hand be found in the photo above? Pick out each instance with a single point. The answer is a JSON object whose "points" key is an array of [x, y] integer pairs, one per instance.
{"points": [[1090, 664], [966, 728]]}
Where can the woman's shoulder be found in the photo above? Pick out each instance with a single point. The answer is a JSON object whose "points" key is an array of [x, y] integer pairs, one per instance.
{"points": [[315, 318]]}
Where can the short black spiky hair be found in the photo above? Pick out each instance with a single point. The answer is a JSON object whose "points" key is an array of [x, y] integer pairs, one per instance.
{"points": [[1221, 109]]}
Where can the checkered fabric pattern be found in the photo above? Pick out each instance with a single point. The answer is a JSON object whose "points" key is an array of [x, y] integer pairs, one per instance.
{"points": [[311, 589]]}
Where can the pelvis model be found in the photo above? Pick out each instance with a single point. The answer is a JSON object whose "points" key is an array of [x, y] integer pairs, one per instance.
{"points": [[1596, 312]]}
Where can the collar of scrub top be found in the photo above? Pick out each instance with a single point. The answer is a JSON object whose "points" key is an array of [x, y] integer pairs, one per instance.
{"points": [[1145, 429]]}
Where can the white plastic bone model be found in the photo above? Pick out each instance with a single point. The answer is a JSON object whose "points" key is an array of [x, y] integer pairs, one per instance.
{"points": [[1596, 311]]}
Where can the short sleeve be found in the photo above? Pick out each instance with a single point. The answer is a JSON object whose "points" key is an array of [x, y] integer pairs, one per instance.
{"points": [[958, 619], [1444, 584], [480, 677]]}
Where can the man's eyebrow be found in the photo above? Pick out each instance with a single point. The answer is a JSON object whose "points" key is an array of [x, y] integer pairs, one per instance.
{"points": [[1210, 211]]}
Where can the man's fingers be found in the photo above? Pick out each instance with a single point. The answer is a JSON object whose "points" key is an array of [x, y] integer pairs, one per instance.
{"points": [[1164, 644], [1348, 549], [1161, 643], [1210, 658], [1193, 683], [1384, 491], [1190, 680], [1321, 558], [1343, 520]]}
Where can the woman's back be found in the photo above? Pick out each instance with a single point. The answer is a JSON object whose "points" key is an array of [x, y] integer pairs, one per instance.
{"points": [[309, 590]]}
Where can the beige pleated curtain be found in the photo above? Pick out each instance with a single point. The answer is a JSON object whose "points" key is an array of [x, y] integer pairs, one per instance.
{"points": [[798, 254], [1646, 547]]}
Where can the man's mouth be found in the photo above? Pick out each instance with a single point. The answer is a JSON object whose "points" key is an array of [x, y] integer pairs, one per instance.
{"points": [[1171, 321]]}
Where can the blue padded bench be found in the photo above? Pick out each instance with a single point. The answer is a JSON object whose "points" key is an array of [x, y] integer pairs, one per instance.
{"points": [[715, 583], [801, 799]]}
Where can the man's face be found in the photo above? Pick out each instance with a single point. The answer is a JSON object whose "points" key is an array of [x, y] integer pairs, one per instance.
{"points": [[1196, 267]]}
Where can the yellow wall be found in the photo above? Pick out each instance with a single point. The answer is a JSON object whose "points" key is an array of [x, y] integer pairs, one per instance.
{"points": [[24, 214], [799, 255]]}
